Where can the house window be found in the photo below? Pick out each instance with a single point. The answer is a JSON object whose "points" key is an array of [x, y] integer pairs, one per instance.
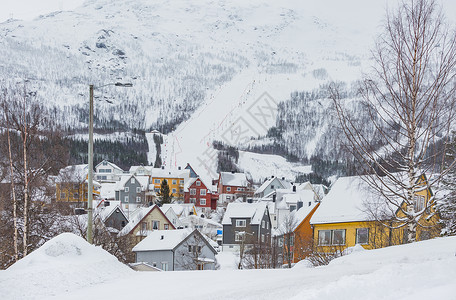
{"points": [[338, 237], [228, 189], [203, 192], [126, 199], [267, 225], [62, 195], [75, 196], [202, 201], [192, 191], [418, 203], [127, 189], [193, 200], [132, 180], [237, 237], [174, 191], [174, 181], [138, 189], [292, 207], [157, 190], [262, 224], [198, 183], [262, 238], [143, 226], [166, 226], [155, 225], [362, 236], [241, 223], [239, 189], [138, 199], [272, 186], [228, 197], [324, 237], [157, 181], [165, 266]]}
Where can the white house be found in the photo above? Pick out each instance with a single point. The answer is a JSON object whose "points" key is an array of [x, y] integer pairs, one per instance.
{"points": [[107, 171]]}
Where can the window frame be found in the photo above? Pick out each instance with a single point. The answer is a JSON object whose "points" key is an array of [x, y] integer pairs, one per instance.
{"points": [[126, 189], [358, 235], [320, 238], [239, 223], [202, 201]]}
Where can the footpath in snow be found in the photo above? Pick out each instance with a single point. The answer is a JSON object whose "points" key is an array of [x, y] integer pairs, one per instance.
{"points": [[68, 268]]}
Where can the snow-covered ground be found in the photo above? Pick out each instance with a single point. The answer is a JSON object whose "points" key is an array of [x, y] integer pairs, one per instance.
{"points": [[68, 268], [262, 166]]}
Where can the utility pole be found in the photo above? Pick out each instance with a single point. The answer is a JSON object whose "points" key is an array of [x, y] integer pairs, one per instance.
{"points": [[90, 176], [90, 158]]}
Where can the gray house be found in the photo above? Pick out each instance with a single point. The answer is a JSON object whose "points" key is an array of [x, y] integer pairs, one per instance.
{"points": [[271, 185], [131, 191], [247, 223], [175, 250], [112, 215]]}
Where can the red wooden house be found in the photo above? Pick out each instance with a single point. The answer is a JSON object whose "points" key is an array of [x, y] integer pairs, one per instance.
{"points": [[198, 193]]}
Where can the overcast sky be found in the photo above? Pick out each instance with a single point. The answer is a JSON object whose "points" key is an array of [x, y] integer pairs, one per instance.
{"points": [[30, 9]]}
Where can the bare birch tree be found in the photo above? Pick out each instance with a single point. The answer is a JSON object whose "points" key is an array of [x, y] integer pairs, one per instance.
{"points": [[410, 98]]}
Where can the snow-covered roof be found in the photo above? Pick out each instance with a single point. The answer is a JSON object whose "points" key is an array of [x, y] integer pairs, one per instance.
{"points": [[283, 184], [305, 196], [111, 164], [136, 217], [189, 183], [73, 173], [142, 179], [192, 219], [182, 210], [163, 240], [233, 179], [345, 202], [105, 211], [108, 190], [170, 173], [254, 211]]}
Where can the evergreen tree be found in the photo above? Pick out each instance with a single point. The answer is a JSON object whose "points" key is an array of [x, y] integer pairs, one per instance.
{"points": [[165, 194]]}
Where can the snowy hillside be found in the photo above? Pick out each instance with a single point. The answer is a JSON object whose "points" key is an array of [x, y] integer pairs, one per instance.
{"points": [[200, 70], [76, 270]]}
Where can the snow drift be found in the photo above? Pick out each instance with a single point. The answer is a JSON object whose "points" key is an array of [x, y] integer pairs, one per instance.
{"points": [[64, 264]]}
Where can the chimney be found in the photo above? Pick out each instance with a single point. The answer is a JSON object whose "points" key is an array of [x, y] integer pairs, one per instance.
{"points": [[179, 168], [162, 237], [106, 203], [274, 197], [294, 188], [249, 200], [310, 203], [163, 167], [283, 178], [300, 204], [272, 176]]}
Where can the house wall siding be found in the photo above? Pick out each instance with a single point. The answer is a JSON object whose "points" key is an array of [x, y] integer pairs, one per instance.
{"points": [[157, 257]]}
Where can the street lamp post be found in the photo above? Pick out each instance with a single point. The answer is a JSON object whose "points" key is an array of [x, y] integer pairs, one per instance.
{"points": [[90, 154]]}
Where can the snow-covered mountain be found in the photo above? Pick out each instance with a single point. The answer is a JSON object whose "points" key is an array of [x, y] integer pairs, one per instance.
{"points": [[200, 69]]}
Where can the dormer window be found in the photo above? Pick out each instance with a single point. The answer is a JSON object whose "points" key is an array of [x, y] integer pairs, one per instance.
{"points": [[132, 180], [198, 183]]}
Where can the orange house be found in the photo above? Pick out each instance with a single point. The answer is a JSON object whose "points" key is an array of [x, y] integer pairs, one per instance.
{"points": [[297, 245]]}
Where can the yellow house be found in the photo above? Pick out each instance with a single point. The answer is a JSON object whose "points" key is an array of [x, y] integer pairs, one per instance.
{"points": [[345, 218], [72, 185], [175, 179], [144, 220]]}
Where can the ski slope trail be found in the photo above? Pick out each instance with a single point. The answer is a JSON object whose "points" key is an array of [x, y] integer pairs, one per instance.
{"points": [[243, 108]]}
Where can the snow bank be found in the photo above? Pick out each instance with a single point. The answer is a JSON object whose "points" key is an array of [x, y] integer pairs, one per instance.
{"points": [[68, 268], [64, 264]]}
